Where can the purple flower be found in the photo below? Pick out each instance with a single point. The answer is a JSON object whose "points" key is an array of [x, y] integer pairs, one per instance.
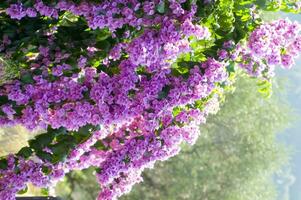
{"points": [[287, 61], [228, 44], [222, 54], [31, 12], [272, 43], [82, 61], [8, 110], [16, 11]]}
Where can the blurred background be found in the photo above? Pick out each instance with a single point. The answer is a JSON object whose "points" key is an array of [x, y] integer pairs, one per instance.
{"points": [[250, 150], [290, 186]]}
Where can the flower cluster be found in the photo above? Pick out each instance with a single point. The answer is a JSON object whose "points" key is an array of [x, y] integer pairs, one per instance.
{"points": [[40, 173], [108, 14], [276, 43], [14, 178], [127, 151]]}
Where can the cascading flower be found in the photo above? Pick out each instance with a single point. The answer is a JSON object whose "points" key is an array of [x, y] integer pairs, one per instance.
{"points": [[130, 96], [272, 44]]}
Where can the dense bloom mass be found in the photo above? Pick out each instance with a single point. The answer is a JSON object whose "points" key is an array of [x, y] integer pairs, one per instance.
{"points": [[118, 85]]}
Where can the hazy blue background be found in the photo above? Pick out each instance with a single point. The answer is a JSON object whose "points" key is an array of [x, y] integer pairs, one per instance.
{"points": [[290, 184]]}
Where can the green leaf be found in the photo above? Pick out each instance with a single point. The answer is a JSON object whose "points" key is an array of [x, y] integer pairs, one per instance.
{"points": [[23, 191], [245, 2], [56, 132], [37, 72], [60, 149], [176, 111], [27, 78], [231, 67], [96, 63], [97, 127], [81, 138], [103, 45], [83, 133], [18, 109], [28, 3], [45, 191], [131, 93], [25, 152], [164, 93], [68, 139], [45, 139], [199, 57], [46, 170], [188, 64], [3, 164], [85, 130], [265, 88], [98, 170], [60, 131], [34, 144], [44, 155], [3, 100], [200, 104], [161, 7], [100, 146], [68, 19], [127, 159], [102, 34]]}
